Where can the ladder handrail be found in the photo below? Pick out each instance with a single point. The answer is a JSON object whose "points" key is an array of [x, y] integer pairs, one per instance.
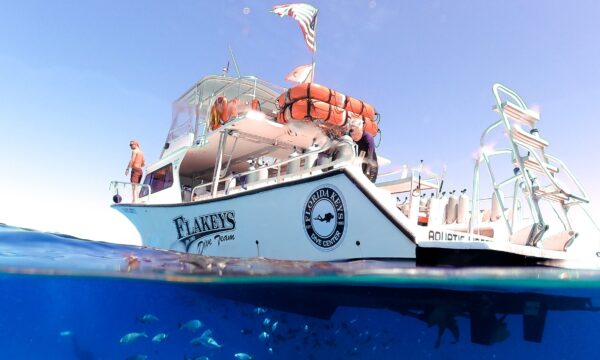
{"points": [[564, 167]]}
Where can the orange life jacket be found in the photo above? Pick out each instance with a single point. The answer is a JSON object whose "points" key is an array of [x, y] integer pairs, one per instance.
{"points": [[219, 113], [232, 108]]}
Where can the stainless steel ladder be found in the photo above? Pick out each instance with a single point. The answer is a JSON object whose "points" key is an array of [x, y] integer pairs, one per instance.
{"points": [[532, 166]]}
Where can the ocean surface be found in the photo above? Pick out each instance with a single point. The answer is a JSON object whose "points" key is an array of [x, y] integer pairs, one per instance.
{"points": [[68, 298]]}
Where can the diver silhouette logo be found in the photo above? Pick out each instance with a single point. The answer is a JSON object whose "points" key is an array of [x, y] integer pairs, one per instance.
{"points": [[327, 217], [324, 216]]}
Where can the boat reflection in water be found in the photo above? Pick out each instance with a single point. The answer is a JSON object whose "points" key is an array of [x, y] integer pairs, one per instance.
{"points": [[486, 310]]}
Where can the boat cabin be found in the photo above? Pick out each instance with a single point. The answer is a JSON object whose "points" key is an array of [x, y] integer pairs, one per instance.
{"points": [[207, 154]]}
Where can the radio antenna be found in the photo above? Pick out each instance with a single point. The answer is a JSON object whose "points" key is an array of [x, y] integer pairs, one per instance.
{"points": [[237, 70]]}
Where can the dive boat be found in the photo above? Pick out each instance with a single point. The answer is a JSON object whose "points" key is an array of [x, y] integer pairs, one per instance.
{"points": [[256, 177]]}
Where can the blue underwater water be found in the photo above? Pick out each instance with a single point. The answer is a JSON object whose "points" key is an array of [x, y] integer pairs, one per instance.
{"points": [[67, 298]]}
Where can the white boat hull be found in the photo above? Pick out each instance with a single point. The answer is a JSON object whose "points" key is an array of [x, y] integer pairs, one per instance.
{"points": [[329, 217]]}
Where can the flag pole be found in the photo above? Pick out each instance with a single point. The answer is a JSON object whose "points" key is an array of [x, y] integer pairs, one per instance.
{"points": [[312, 70], [314, 63]]}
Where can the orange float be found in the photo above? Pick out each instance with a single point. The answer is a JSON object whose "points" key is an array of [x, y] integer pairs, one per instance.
{"points": [[359, 107], [321, 93], [311, 91], [307, 109], [311, 110], [371, 127]]}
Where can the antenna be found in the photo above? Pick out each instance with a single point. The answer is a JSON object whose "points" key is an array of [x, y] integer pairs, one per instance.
{"points": [[419, 185], [237, 70], [443, 178]]}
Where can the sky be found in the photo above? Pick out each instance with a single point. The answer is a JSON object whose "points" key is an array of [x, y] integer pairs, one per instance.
{"points": [[79, 79]]}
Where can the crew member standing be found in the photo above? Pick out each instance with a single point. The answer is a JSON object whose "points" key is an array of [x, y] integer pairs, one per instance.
{"points": [[135, 164], [365, 144]]}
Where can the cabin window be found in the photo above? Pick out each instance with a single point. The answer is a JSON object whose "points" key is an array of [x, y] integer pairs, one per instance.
{"points": [[158, 180]]}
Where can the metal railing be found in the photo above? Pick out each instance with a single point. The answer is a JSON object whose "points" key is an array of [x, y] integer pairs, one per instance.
{"points": [[250, 90], [130, 193], [247, 86], [198, 194]]}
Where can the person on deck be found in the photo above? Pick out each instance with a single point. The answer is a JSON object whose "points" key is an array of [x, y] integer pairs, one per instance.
{"points": [[136, 163], [365, 144]]}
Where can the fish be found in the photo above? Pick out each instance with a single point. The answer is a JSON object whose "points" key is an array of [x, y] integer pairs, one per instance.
{"points": [[202, 357], [66, 333], [137, 357], [131, 337], [246, 331], [263, 336], [147, 319], [211, 343], [197, 341], [191, 325], [206, 340], [274, 326], [259, 311], [270, 350], [206, 334], [266, 322], [242, 356], [159, 337]]}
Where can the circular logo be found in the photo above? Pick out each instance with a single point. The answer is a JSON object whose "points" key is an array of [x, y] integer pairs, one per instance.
{"points": [[325, 217]]}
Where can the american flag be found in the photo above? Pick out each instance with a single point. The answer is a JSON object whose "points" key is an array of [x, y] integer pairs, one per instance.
{"points": [[305, 15]]}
